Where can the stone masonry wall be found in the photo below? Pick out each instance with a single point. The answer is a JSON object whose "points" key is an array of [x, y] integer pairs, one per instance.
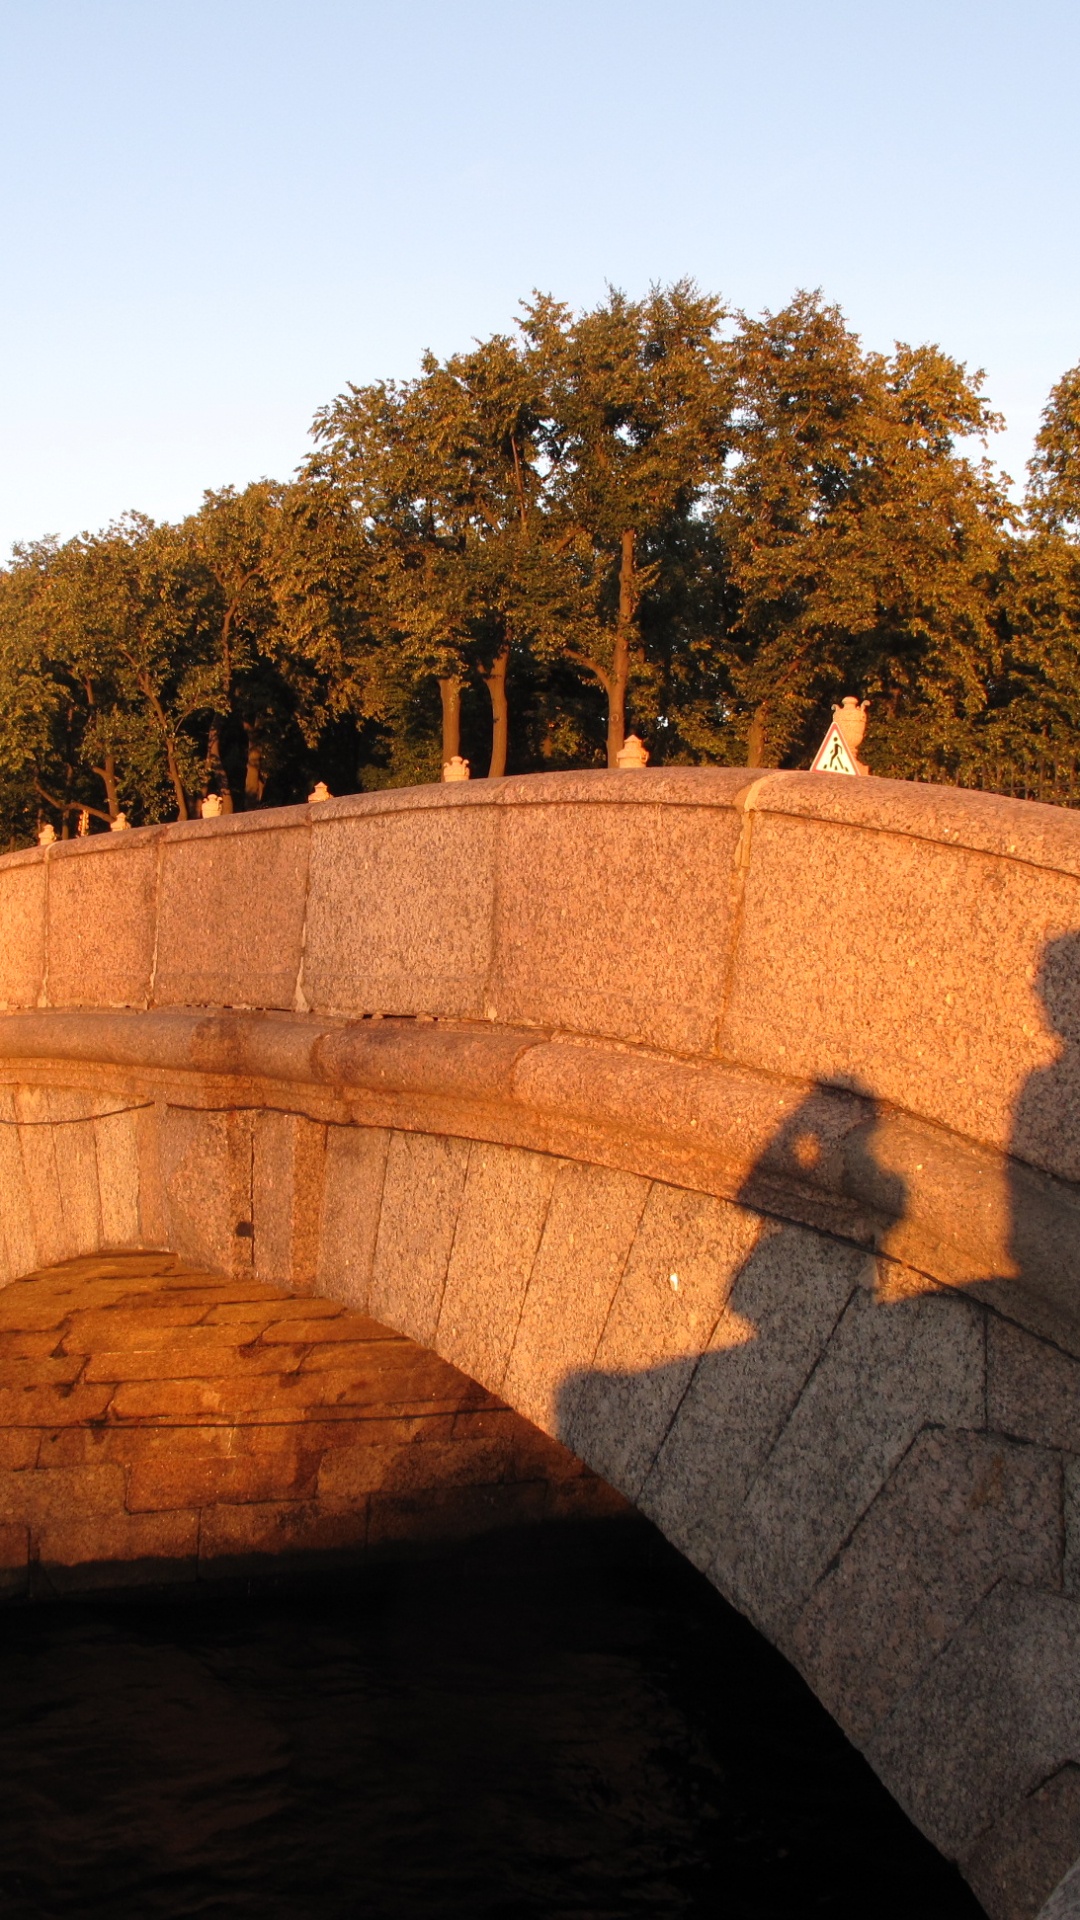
{"points": [[158, 1423]]}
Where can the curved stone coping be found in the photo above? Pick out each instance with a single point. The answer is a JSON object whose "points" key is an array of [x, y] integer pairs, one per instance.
{"points": [[819, 1156], [918, 944]]}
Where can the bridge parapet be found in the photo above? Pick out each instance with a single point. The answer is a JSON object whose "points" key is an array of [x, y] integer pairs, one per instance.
{"points": [[726, 1127]]}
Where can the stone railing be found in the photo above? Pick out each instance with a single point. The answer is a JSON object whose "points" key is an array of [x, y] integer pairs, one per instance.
{"points": [[729, 1128]]}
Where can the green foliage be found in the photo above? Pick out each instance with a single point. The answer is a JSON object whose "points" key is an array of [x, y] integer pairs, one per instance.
{"points": [[657, 513]]}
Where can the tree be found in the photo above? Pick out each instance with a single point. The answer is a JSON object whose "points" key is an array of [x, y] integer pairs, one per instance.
{"points": [[636, 422], [862, 545], [441, 474], [1053, 500]]}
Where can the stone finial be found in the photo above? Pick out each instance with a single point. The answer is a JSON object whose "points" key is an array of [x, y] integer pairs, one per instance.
{"points": [[850, 717], [120, 824], [46, 834], [632, 753], [456, 769], [83, 827], [211, 806], [319, 792]]}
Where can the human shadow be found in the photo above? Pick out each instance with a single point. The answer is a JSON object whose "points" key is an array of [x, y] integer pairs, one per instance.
{"points": [[684, 1430], [1043, 1170]]}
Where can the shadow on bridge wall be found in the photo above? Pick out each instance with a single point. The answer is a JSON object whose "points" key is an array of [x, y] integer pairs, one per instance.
{"points": [[870, 1466]]}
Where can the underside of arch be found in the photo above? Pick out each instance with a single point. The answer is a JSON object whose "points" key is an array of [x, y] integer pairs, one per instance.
{"points": [[868, 1463]]}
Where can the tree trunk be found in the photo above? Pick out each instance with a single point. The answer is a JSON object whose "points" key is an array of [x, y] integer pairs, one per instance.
{"points": [[755, 740], [216, 769], [495, 682], [450, 694], [620, 665], [174, 776], [107, 776], [254, 777]]}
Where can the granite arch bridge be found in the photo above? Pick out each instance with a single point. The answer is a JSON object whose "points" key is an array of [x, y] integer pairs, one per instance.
{"points": [[728, 1128]]}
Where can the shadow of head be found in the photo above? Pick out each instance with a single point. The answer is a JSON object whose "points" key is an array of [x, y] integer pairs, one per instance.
{"points": [[821, 1166], [1057, 985]]}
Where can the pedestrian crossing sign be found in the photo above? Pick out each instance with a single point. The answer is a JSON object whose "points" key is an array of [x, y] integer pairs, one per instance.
{"points": [[834, 754]]}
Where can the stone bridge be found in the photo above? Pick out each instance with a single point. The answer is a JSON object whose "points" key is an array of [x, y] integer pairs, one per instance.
{"points": [[727, 1128]]}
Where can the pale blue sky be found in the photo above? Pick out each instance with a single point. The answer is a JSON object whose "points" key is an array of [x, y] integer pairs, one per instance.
{"points": [[216, 213]]}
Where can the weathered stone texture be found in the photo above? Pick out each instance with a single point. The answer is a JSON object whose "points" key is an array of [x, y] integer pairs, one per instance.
{"points": [[782, 1310], [640, 882], [1028, 1851], [503, 1211], [157, 1422], [890, 1368], [353, 1177], [206, 1171], [102, 921], [422, 1190], [286, 1197], [851, 965], [686, 1256], [591, 1221], [22, 929], [399, 914], [961, 1512], [231, 914], [996, 1715]]}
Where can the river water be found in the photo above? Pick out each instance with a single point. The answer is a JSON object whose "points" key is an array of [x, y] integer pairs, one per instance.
{"points": [[564, 1723]]}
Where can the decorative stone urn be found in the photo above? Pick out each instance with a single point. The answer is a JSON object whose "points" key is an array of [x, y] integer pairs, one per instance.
{"points": [[632, 753], [319, 792], [47, 834], [211, 806], [120, 824], [850, 717], [456, 769]]}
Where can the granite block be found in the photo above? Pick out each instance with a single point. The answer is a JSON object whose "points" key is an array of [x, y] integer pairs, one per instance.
{"points": [[76, 1155], [687, 1253], [148, 1123], [117, 1154], [1064, 1902], [615, 920], [231, 915], [996, 1715], [783, 1307], [22, 931], [913, 968], [961, 1512], [287, 1180], [206, 1162], [399, 915], [1028, 1851], [102, 921], [891, 1368], [504, 1207], [37, 1144], [421, 1199], [18, 1244], [592, 1218], [352, 1197], [1032, 1388]]}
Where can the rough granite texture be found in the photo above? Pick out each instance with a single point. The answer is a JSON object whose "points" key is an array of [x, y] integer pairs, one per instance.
{"points": [[166, 1424], [726, 1127]]}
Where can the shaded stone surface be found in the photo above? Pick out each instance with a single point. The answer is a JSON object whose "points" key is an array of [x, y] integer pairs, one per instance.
{"points": [[158, 1422], [961, 1511]]}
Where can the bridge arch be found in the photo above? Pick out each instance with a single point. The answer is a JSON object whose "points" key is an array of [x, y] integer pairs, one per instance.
{"points": [[728, 1129]]}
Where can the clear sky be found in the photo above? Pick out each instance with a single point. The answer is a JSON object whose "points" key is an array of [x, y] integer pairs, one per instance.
{"points": [[218, 212]]}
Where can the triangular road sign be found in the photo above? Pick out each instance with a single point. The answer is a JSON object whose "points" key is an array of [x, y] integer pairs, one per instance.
{"points": [[834, 754]]}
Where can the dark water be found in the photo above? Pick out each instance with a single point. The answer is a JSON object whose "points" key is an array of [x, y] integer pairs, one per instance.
{"points": [[564, 1723]]}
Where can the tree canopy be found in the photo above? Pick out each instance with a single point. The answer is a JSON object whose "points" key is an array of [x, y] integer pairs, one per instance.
{"points": [[659, 514]]}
